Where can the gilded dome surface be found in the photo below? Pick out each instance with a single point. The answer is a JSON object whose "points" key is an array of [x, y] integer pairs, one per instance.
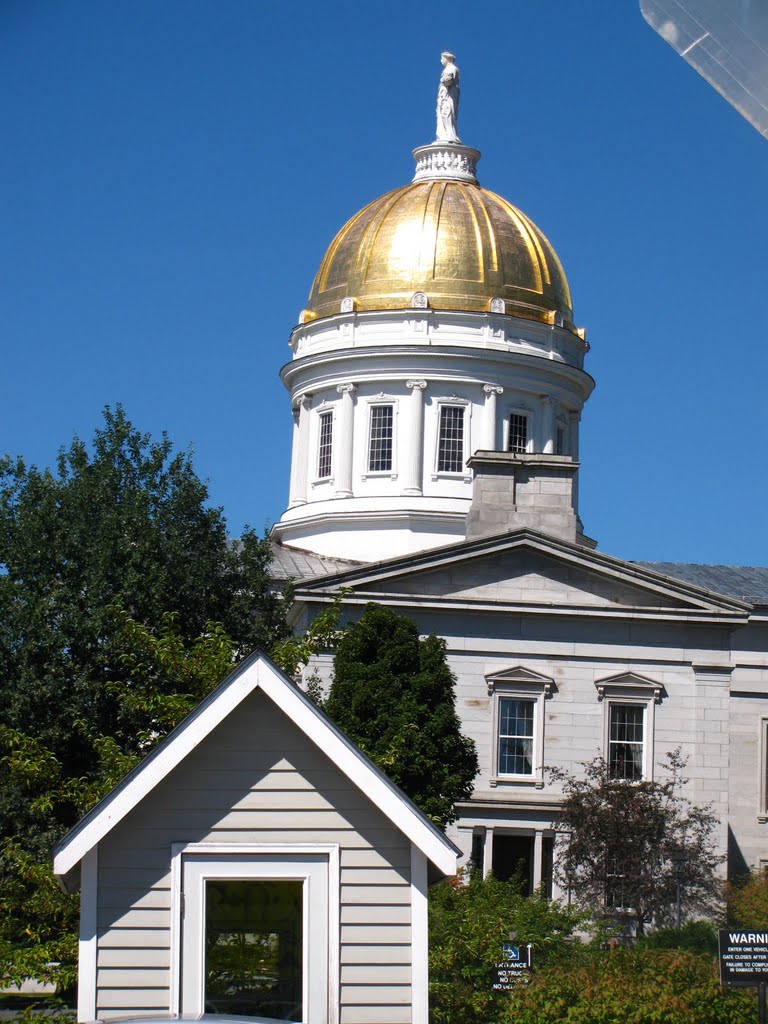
{"points": [[453, 240]]}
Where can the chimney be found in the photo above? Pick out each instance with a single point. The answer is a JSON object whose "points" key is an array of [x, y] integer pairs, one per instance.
{"points": [[512, 491]]}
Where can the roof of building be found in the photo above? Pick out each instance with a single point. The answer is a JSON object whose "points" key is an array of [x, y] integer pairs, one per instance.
{"points": [[297, 564], [747, 582], [458, 243], [256, 672]]}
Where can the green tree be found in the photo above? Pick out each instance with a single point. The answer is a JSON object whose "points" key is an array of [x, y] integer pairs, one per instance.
{"points": [[617, 840], [469, 920], [748, 901], [393, 694], [122, 601]]}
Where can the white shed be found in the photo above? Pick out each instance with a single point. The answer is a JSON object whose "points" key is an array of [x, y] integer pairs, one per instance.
{"points": [[256, 863]]}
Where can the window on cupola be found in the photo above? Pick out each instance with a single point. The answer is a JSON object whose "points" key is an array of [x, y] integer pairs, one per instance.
{"points": [[450, 451], [518, 433], [380, 445], [325, 445]]}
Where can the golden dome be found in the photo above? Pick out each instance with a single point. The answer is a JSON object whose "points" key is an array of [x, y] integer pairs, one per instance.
{"points": [[453, 240]]}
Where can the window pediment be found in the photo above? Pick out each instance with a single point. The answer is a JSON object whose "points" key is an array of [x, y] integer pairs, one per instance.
{"points": [[521, 678], [630, 684]]}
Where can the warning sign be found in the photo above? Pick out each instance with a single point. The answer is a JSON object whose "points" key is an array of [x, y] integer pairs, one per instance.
{"points": [[743, 957]]}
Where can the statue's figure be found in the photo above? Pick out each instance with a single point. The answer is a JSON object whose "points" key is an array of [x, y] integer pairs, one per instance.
{"points": [[448, 100]]}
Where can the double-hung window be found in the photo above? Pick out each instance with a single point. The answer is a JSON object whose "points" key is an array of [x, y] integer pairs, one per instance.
{"points": [[629, 702], [325, 445], [518, 725], [380, 439], [626, 741], [517, 440], [515, 750], [450, 444]]}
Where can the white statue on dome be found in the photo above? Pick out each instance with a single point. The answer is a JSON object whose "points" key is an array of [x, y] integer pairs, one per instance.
{"points": [[448, 100]]}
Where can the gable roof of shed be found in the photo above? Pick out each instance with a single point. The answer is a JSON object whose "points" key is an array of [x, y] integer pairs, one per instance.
{"points": [[256, 672]]}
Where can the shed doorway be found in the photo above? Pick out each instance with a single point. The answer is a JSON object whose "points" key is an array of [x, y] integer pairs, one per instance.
{"points": [[254, 936]]}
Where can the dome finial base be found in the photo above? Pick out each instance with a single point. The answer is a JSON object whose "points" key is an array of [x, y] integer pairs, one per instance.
{"points": [[441, 161]]}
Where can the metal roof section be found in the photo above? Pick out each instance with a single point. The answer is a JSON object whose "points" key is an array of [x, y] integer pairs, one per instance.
{"points": [[746, 582], [297, 564]]}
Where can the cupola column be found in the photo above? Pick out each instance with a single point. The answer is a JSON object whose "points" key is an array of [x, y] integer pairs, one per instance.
{"points": [[548, 405], [491, 426], [574, 418], [345, 441], [300, 453], [413, 455]]}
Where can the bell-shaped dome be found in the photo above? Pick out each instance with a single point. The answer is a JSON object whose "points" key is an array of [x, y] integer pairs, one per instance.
{"points": [[459, 244]]}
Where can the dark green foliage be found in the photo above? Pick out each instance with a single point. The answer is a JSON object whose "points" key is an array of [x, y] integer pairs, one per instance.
{"points": [[631, 986], [696, 937], [748, 901], [617, 840], [393, 694], [469, 919], [121, 603]]}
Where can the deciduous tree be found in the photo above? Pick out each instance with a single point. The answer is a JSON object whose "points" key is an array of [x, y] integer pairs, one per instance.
{"points": [[617, 842]]}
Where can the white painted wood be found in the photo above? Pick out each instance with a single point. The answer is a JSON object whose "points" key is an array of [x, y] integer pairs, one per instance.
{"points": [[419, 937], [87, 946], [255, 672]]}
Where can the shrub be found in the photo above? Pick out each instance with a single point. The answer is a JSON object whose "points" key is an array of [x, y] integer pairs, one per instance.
{"points": [[632, 986], [469, 919], [696, 937]]}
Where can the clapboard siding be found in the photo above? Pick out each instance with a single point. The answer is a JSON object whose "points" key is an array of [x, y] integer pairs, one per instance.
{"points": [[256, 778]]}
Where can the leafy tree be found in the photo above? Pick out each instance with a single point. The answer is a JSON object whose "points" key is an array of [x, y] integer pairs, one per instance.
{"points": [[393, 694], [747, 901], [122, 601], [469, 919], [616, 841]]}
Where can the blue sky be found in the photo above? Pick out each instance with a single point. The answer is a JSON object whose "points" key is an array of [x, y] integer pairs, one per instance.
{"points": [[173, 171]]}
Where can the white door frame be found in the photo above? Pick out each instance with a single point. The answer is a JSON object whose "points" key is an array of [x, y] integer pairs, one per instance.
{"points": [[258, 856]]}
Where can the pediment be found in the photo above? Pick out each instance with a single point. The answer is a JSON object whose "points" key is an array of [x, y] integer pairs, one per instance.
{"points": [[522, 677], [529, 570], [629, 684]]}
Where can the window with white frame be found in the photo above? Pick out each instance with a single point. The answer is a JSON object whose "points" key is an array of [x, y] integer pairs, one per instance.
{"points": [[515, 746], [450, 443], [380, 439], [518, 725], [325, 445], [626, 741], [629, 702], [517, 438]]}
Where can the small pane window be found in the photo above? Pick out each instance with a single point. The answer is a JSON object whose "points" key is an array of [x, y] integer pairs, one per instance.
{"points": [[380, 447], [450, 454], [516, 736], [625, 742], [518, 433], [325, 447]]}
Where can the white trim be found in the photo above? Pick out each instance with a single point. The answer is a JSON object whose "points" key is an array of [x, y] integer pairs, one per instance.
{"points": [[648, 706], [419, 939], [256, 672], [466, 405], [86, 946], [332, 863], [524, 684], [377, 402]]}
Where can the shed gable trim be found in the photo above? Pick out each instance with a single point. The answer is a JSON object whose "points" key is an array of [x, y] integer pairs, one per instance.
{"points": [[255, 672]]}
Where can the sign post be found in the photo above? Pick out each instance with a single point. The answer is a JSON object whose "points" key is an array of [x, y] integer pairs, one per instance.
{"points": [[515, 965], [744, 962]]}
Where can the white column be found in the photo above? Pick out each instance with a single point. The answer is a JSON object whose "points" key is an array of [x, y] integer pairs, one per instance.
{"points": [[538, 850], [300, 455], [344, 441], [488, 852], [549, 404], [490, 427], [412, 451]]}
